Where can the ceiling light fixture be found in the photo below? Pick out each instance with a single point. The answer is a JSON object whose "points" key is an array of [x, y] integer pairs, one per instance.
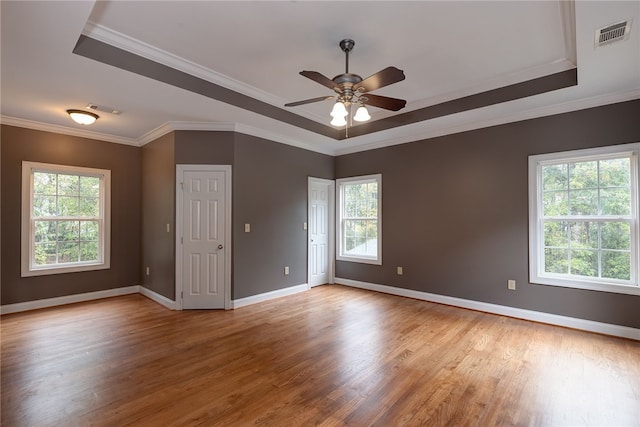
{"points": [[83, 117]]}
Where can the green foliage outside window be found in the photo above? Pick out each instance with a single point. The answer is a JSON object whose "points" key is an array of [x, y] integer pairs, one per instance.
{"points": [[65, 211], [584, 226]]}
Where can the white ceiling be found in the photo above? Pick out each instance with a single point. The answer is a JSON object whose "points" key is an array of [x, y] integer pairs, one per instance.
{"points": [[446, 49]]}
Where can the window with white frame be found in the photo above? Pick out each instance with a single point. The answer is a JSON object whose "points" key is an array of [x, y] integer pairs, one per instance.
{"points": [[65, 219], [359, 231], [583, 225]]}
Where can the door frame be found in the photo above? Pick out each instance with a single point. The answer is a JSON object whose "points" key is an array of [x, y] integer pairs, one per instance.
{"points": [[180, 170], [331, 227]]}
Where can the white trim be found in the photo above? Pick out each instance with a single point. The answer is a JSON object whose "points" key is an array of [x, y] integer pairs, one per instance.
{"points": [[65, 130], [536, 273], [27, 232], [228, 236], [429, 129], [156, 297], [145, 50], [254, 299], [68, 299], [340, 182], [519, 313], [331, 226]]}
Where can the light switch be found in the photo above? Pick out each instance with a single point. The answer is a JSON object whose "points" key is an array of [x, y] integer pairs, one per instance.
{"points": [[168, 228], [247, 228], [304, 225]]}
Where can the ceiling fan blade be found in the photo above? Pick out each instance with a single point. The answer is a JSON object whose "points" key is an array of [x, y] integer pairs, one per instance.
{"points": [[380, 79], [393, 104], [307, 101], [319, 78]]}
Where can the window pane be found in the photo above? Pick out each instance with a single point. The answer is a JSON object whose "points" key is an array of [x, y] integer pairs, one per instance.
{"points": [[615, 201], [555, 203], [583, 175], [45, 231], [67, 206], [615, 235], [68, 185], [44, 183], [584, 263], [44, 206], [583, 202], [556, 261], [68, 252], [555, 177], [89, 206], [89, 251], [89, 230], [89, 186], [615, 173], [556, 234], [45, 253], [584, 235], [68, 231], [616, 265]]}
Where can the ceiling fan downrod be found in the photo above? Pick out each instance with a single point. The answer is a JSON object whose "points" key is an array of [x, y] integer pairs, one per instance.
{"points": [[347, 45]]}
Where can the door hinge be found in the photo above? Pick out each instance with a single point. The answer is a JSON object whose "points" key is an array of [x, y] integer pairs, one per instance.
{"points": [[182, 240], [182, 185], [181, 295]]}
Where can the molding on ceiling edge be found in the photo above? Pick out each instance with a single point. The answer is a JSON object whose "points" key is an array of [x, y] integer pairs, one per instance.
{"points": [[533, 113], [65, 130], [380, 142], [129, 44]]}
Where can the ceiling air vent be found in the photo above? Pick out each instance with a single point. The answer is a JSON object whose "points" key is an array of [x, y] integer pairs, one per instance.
{"points": [[613, 33]]}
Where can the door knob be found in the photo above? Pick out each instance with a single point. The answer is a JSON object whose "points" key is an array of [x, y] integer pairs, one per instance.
{"points": [[220, 246]]}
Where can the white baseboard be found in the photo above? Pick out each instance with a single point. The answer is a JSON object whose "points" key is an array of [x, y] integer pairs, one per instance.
{"points": [[253, 299], [69, 299], [160, 299], [536, 316]]}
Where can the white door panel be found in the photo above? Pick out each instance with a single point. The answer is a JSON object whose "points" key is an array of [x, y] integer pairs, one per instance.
{"points": [[319, 236], [203, 246]]}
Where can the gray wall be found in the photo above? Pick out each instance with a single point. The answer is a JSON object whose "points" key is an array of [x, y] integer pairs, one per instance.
{"points": [[270, 193], [158, 210], [18, 144], [455, 212]]}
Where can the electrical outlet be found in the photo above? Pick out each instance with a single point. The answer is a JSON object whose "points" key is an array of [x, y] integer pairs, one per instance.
{"points": [[247, 228], [511, 284], [168, 228], [399, 271], [286, 271], [148, 271]]}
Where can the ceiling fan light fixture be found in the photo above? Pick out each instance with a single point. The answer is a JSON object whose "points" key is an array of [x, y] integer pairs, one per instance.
{"points": [[83, 117], [339, 110], [338, 121], [362, 114]]}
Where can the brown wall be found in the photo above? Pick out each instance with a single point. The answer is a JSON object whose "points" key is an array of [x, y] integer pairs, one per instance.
{"points": [[270, 193], [158, 210], [18, 144], [455, 212]]}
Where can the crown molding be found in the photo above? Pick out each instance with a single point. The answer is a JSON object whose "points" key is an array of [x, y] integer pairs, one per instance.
{"points": [[145, 50], [65, 130], [532, 113]]}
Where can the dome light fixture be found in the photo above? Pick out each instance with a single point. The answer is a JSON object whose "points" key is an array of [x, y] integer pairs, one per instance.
{"points": [[83, 117]]}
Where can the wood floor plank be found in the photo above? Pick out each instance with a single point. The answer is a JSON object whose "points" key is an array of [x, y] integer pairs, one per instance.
{"points": [[333, 356]]}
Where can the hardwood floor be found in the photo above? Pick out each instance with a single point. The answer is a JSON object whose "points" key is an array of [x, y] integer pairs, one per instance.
{"points": [[332, 356]]}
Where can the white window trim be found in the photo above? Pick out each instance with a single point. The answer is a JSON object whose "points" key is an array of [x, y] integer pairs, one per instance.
{"points": [[377, 260], [27, 250], [536, 274]]}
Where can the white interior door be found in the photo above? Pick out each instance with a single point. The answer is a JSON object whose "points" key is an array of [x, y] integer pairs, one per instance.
{"points": [[319, 230], [204, 265]]}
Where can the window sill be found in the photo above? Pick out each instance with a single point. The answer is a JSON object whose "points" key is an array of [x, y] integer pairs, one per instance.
{"points": [[590, 286]]}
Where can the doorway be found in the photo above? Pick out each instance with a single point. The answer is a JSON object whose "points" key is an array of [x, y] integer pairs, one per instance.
{"points": [[321, 226], [203, 237]]}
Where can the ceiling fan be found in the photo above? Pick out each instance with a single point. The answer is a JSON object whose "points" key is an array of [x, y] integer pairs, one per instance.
{"points": [[353, 89]]}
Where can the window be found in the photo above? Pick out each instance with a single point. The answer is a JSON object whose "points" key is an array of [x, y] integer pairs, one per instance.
{"points": [[360, 219], [65, 219], [583, 209]]}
